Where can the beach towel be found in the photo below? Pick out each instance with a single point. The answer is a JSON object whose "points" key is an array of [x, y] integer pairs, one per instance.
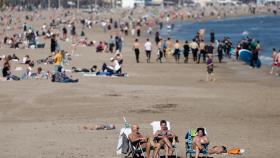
{"points": [[126, 132], [103, 74]]}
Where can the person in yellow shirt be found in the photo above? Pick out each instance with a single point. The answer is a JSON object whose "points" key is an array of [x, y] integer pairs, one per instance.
{"points": [[57, 61]]}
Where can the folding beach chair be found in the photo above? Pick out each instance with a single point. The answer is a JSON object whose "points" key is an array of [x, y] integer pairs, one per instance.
{"points": [[190, 152], [156, 127], [137, 151]]}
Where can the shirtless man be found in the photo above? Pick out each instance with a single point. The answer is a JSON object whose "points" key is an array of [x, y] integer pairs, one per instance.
{"points": [[136, 137], [164, 137], [200, 141]]}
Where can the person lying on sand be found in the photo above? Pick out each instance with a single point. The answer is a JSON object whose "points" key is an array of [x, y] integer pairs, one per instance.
{"points": [[92, 69], [136, 137]]}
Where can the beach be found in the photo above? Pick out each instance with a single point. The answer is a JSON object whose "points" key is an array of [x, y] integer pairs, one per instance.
{"points": [[39, 118]]}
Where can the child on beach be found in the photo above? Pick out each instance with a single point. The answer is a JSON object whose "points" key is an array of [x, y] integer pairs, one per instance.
{"points": [[210, 69]]}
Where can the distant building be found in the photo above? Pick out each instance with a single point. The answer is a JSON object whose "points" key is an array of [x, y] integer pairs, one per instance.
{"points": [[130, 3], [267, 1]]}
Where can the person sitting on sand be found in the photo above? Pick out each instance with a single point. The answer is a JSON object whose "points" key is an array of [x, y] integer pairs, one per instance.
{"points": [[7, 75], [164, 138], [200, 141], [61, 77], [26, 60], [136, 137], [114, 68], [40, 74], [100, 47], [6, 70]]}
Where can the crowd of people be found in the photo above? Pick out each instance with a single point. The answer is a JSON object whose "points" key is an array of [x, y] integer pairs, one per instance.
{"points": [[63, 28]]}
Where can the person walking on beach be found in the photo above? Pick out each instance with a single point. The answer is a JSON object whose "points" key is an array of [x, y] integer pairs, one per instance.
{"points": [[138, 30], [212, 36], [194, 47], [53, 44], [186, 51], [220, 52], [255, 53], [210, 69], [176, 53], [111, 43], [168, 48], [136, 46], [73, 30], [118, 42], [148, 49], [160, 51], [157, 38], [64, 32], [274, 60], [228, 46], [201, 52]]}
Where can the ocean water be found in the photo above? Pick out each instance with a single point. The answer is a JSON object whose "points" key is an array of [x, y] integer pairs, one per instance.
{"points": [[266, 29]]}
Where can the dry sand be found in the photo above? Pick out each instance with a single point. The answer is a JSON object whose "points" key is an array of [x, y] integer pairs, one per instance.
{"points": [[41, 119]]}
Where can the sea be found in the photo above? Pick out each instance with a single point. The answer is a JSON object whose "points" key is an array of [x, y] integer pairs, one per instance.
{"points": [[266, 29]]}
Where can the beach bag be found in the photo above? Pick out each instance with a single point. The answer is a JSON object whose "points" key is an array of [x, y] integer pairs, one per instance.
{"points": [[234, 151], [125, 144]]}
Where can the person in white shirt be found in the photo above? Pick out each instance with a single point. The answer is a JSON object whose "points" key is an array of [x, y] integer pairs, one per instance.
{"points": [[113, 68], [148, 49]]}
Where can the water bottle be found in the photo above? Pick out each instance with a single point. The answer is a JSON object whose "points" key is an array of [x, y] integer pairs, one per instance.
{"points": [[126, 124]]}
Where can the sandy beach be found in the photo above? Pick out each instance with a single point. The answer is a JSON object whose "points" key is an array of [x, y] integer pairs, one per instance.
{"points": [[41, 119]]}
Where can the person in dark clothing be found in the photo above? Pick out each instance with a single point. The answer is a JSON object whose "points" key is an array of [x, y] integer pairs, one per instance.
{"points": [[157, 38], [73, 30], [53, 44], [220, 52], [6, 70], [212, 36], [24, 27], [227, 48], [136, 46], [118, 42], [186, 51], [255, 54]]}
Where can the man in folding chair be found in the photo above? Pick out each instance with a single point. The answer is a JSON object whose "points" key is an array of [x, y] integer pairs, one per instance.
{"points": [[139, 141], [164, 138]]}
